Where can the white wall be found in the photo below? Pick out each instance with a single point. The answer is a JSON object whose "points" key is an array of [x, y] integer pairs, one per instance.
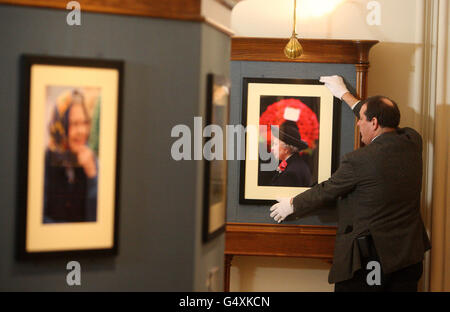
{"points": [[396, 71], [348, 19], [216, 13], [267, 274]]}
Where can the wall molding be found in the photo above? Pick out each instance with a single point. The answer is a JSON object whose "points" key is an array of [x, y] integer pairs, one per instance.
{"points": [[184, 10], [436, 108], [428, 116], [227, 31], [187, 10], [315, 50]]}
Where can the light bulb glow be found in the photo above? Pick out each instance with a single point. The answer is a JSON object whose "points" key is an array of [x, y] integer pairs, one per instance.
{"points": [[316, 8]]}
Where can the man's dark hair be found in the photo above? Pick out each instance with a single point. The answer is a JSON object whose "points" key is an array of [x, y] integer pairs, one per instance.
{"points": [[388, 116]]}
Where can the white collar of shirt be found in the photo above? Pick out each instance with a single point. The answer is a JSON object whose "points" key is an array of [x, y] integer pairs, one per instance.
{"points": [[354, 105], [376, 137]]}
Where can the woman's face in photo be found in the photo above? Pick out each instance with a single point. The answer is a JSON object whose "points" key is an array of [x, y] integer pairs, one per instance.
{"points": [[279, 150], [78, 128]]}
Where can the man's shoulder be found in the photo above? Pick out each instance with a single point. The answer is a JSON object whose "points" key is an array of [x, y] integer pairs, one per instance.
{"points": [[358, 153], [409, 133], [362, 153], [404, 137], [406, 133]]}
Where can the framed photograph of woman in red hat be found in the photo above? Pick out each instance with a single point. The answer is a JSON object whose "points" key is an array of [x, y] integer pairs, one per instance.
{"points": [[292, 146], [69, 166]]}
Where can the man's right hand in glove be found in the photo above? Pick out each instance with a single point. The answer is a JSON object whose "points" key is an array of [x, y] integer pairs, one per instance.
{"points": [[337, 86]]}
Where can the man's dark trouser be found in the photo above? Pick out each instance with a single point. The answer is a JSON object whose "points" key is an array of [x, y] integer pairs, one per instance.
{"points": [[404, 280]]}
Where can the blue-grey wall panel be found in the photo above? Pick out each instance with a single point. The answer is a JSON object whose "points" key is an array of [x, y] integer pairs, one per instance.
{"points": [[157, 205], [243, 69], [215, 59]]}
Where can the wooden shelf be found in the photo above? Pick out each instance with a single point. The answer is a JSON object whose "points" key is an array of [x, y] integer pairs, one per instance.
{"points": [[315, 50], [255, 239], [280, 240]]}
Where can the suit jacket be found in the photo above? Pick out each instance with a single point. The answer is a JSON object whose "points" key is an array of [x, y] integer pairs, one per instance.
{"points": [[297, 173], [377, 189]]}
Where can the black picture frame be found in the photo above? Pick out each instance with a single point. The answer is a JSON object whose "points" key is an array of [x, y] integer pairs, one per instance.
{"points": [[335, 132], [27, 63], [215, 171]]}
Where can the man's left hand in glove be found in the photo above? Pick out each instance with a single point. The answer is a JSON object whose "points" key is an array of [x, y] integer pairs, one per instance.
{"points": [[282, 209]]}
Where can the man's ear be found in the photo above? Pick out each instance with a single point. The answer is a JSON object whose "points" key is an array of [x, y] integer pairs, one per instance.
{"points": [[375, 123]]}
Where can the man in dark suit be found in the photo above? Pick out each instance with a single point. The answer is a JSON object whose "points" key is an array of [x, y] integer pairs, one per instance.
{"points": [[377, 189], [293, 170]]}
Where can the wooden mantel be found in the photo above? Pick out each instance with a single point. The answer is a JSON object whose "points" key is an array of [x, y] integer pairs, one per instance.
{"points": [[171, 9], [315, 50]]}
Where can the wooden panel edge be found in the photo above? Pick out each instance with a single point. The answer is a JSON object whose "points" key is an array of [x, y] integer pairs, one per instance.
{"points": [[315, 50], [281, 255], [304, 241], [186, 10], [279, 228]]}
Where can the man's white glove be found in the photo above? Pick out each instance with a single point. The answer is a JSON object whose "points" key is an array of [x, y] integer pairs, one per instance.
{"points": [[282, 209], [335, 84]]}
